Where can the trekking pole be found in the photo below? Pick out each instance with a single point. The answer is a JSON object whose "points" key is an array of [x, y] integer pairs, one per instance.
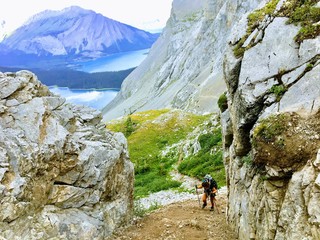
{"points": [[198, 196], [215, 203]]}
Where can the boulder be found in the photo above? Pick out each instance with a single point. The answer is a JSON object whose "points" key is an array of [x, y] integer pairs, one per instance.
{"points": [[62, 174]]}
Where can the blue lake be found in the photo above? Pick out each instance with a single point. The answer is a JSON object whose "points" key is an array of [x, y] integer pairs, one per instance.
{"points": [[99, 98], [114, 62], [95, 98]]}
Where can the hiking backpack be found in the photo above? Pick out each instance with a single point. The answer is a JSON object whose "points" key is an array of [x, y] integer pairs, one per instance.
{"points": [[214, 183]]}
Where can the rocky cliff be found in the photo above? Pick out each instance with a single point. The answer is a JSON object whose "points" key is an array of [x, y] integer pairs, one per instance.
{"points": [[271, 127], [62, 175], [184, 67]]}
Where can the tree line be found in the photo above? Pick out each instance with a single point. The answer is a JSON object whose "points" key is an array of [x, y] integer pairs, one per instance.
{"points": [[77, 79]]}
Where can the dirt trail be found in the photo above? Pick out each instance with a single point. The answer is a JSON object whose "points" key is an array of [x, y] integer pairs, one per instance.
{"points": [[178, 221]]}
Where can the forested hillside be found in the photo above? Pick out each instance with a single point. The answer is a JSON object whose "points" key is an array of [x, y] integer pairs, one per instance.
{"points": [[77, 79]]}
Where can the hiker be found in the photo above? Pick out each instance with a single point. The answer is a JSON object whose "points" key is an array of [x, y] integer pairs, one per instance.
{"points": [[210, 189]]}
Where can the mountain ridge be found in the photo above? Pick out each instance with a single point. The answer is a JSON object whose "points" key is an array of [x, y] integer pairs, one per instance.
{"points": [[184, 67], [72, 34]]}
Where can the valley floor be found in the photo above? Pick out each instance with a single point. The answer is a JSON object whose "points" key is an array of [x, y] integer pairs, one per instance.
{"points": [[180, 220]]}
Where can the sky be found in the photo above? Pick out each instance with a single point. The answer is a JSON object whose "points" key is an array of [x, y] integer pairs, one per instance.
{"points": [[144, 14]]}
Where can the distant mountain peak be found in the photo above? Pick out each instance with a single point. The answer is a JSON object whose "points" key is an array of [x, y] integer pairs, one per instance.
{"points": [[75, 33], [72, 11], [75, 9]]}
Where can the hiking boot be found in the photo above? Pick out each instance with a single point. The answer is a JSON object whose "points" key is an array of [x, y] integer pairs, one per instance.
{"points": [[212, 209], [204, 205]]}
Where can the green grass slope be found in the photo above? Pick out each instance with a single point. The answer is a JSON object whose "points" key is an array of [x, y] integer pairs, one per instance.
{"points": [[155, 142]]}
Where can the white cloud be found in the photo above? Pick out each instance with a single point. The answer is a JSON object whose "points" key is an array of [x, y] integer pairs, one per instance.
{"points": [[91, 98], [85, 97]]}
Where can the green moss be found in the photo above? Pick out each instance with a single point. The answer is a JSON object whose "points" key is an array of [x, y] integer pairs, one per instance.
{"points": [[279, 91], [238, 50], [247, 160], [307, 32], [268, 129], [257, 16], [223, 102], [309, 67], [253, 21], [300, 12], [305, 14]]}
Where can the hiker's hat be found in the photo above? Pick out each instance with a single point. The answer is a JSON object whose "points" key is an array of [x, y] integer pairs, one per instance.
{"points": [[207, 176]]}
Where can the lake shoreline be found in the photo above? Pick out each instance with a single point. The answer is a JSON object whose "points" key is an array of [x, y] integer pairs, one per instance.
{"points": [[85, 89], [95, 98], [114, 62]]}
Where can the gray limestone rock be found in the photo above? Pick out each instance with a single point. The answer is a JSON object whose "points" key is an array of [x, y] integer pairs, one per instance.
{"points": [[184, 67], [308, 48], [62, 174], [303, 96], [277, 52], [274, 189]]}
